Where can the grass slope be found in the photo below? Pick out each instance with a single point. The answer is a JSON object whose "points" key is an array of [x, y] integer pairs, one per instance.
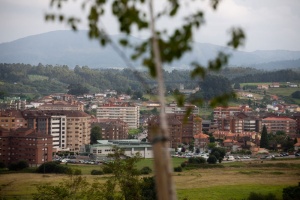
{"points": [[235, 181]]}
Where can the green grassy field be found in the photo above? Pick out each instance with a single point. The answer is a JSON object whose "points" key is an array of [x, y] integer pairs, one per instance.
{"points": [[282, 91], [37, 77], [235, 181]]}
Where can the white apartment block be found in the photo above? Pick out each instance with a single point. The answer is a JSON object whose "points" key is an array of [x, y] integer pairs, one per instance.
{"points": [[128, 113], [58, 124], [174, 109]]}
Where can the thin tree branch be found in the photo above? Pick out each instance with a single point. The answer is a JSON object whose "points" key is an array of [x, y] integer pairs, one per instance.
{"points": [[162, 162]]}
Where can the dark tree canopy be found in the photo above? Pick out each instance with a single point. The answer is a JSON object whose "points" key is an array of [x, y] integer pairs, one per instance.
{"points": [[77, 89], [296, 94], [264, 142], [95, 134]]}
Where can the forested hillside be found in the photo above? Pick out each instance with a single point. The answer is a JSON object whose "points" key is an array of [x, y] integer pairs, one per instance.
{"points": [[275, 76], [47, 79]]}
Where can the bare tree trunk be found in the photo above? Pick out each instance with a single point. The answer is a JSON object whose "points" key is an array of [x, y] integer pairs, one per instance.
{"points": [[162, 159]]}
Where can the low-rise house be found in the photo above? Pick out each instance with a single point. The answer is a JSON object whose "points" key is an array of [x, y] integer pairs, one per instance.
{"points": [[231, 145], [297, 145], [293, 85], [101, 150], [201, 140], [262, 87], [275, 85]]}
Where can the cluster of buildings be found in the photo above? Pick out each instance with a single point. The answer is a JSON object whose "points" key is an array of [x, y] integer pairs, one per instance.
{"points": [[34, 131], [58, 123]]}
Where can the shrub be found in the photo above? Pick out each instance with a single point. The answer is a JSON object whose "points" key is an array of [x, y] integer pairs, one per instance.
{"points": [[198, 160], [202, 166], [183, 165], [291, 193], [77, 172], [53, 167], [107, 170], [148, 191], [96, 172], [146, 170], [216, 154], [18, 166], [258, 196], [2, 165], [178, 169], [212, 159]]}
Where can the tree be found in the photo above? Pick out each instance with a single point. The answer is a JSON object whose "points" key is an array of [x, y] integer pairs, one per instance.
{"points": [[264, 142], [148, 189], [221, 151], [73, 188], [296, 95], [211, 145], [125, 174], [77, 89], [212, 159], [16, 166], [95, 134], [162, 47], [237, 86]]}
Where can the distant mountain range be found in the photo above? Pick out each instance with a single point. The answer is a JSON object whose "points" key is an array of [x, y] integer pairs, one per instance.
{"points": [[75, 48]]}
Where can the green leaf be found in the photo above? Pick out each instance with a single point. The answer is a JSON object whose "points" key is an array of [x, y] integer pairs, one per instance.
{"points": [[237, 38], [198, 70]]}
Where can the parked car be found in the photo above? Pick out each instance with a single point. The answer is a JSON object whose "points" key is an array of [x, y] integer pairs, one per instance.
{"points": [[230, 158], [284, 154], [297, 154]]}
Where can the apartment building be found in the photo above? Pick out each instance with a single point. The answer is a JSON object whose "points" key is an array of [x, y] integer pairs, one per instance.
{"points": [[241, 122], [225, 112], [15, 103], [181, 129], [51, 123], [25, 144], [62, 105], [70, 129], [232, 118], [285, 124], [175, 130], [296, 117], [112, 129], [173, 108], [12, 119], [127, 112], [78, 129]]}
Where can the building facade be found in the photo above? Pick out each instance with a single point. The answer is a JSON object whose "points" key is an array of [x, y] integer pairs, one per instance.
{"points": [[174, 109], [101, 150], [26, 144], [181, 129], [127, 112], [12, 119], [70, 129], [285, 124], [112, 129]]}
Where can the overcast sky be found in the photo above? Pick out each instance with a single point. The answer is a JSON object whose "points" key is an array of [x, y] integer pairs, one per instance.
{"points": [[269, 24]]}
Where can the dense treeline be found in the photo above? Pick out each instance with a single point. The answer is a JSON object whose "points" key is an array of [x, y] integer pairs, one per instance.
{"points": [[46, 79], [276, 76]]}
